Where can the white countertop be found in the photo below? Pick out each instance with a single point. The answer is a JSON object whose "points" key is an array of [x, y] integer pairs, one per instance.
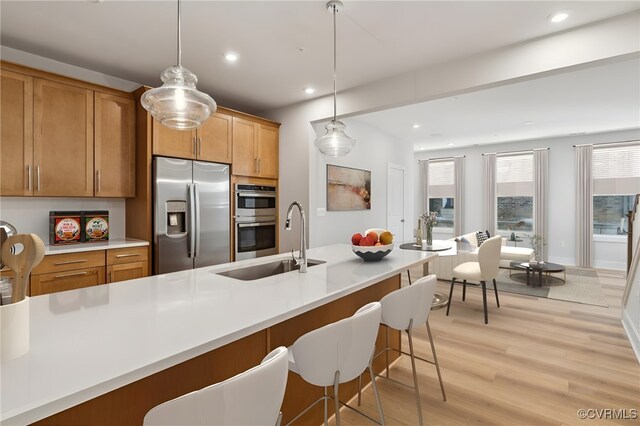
{"points": [[87, 342], [82, 247]]}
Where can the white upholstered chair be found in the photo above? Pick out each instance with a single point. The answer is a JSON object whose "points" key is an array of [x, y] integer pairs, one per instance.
{"points": [[253, 397], [337, 353], [485, 269], [406, 309]]}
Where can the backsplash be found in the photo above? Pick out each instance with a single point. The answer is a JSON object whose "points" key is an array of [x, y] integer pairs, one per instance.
{"points": [[31, 214]]}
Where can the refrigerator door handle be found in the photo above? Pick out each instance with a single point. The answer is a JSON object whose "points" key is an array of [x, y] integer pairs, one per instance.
{"points": [[192, 221], [196, 192]]}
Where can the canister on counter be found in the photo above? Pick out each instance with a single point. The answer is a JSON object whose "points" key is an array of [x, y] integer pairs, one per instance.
{"points": [[96, 225], [65, 227]]}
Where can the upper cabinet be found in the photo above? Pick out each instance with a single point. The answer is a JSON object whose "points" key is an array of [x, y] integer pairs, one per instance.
{"points": [[255, 149], [115, 146], [16, 140], [210, 142], [64, 138]]}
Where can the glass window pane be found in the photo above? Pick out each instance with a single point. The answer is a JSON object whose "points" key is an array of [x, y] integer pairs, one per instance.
{"points": [[610, 214], [515, 214], [444, 209]]}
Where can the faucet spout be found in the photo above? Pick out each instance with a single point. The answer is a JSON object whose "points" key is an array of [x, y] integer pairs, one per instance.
{"points": [[301, 260]]}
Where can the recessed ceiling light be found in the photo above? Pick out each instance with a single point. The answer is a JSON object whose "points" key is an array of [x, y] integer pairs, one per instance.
{"points": [[416, 126], [450, 144], [309, 90], [559, 16], [422, 148], [435, 135], [231, 57], [528, 122]]}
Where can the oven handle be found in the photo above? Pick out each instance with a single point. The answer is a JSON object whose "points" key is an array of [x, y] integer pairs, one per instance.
{"points": [[253, 225], [256, 194]]}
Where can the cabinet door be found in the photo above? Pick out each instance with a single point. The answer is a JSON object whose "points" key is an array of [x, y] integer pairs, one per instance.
{"points": [[214, 139], [63, 140], [173, 143], [16, 140], [245, 138], [115, 141], [127, 271], [62, 281], [268, 152]]}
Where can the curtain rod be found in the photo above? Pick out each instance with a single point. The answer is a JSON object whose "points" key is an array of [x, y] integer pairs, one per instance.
{"points": [[526, 151], [443, 158], [609, 143]]}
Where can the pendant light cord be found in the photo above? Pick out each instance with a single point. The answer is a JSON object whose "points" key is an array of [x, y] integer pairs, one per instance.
{"points": [[334, 63], [179, 38]]}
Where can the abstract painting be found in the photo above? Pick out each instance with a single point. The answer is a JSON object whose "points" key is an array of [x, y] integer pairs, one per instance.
{"points": [[348, 189]]}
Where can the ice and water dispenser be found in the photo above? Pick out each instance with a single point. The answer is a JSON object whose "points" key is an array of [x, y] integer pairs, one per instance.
{"points": [[176, 217]]}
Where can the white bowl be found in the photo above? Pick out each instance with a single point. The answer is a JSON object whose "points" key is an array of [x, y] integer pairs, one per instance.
{"points": [[372, 253]]}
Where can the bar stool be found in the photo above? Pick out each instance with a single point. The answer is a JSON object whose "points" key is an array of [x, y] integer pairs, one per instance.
{"points": [[401, 310], [227, 403], [337, 353]]}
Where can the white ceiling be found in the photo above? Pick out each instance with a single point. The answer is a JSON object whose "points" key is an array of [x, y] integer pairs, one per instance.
{"points": [[283, 46], [592, 100]]}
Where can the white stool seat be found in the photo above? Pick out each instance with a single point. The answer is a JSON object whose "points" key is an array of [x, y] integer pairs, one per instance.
{"points": [[253, 397], [292, 363], [468, 271]]}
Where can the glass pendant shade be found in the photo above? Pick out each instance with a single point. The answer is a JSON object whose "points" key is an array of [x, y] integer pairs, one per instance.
{"points": [[335, 143], [177, 104]]}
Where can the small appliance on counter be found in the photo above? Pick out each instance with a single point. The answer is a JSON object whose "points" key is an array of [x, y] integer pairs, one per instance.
{"points": [[69, 227]]}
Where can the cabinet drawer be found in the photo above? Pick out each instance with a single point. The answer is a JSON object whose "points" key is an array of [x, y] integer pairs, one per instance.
{"points": [[70, 280], [69, 262], [127, 271], [127, 255]]}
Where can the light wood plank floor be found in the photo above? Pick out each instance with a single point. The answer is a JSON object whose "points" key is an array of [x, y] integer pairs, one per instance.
{"points": [[537, 362]]}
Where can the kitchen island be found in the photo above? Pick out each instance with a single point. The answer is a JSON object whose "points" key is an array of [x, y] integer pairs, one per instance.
{"points": [[107, 354]]}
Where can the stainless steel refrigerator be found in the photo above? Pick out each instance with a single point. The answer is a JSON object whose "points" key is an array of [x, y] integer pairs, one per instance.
{"points": [[192, 224]]}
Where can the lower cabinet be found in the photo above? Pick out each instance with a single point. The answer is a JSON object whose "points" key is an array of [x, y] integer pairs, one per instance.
{"points": [[61, 272]]}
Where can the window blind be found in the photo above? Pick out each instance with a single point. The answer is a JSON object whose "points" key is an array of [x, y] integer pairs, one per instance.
{"points": [[441, 179], [616, 169], [514, 175]]}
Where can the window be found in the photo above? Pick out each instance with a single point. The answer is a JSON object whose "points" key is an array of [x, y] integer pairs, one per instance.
{"points": [[514, 193], [616, 180], [442, 191]]}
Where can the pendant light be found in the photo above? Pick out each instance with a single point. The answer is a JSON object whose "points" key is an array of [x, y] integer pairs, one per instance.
{"points": [[177, 104], [335, 143]]}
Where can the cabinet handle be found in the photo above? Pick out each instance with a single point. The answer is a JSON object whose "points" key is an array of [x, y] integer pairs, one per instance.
{"points": [[199, 147], [73, 274], [69, 262], [98, 181], [127, 255], [38, 178], [29, 177], [193, 141], [259, 166]]}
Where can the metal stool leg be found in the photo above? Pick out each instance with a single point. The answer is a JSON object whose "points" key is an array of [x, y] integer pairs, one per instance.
{"points": [[386, 355], [484, 301], [326, 413], [336, 399], [464, 289], [375, 392], [453, 280], [495, 289], [415, 374], [409, 276], [435, 360]]}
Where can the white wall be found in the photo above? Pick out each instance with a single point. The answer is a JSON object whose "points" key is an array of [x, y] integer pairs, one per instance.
{"points": [[562, 200], [374, 150], [611, 40], [31, 214]]}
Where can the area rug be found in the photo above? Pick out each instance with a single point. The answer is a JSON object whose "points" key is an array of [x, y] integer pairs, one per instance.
{"points": [[582, 286]]}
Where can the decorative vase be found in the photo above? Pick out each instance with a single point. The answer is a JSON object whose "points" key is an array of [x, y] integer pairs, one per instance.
{"points": [[513, 236], [429, 236], [419, 233]]}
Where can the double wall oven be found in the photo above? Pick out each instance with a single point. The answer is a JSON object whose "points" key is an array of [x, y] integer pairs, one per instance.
{"points": [[255, 221]]}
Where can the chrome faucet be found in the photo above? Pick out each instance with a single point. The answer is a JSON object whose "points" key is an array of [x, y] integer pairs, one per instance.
{"points": [[301, 260]]}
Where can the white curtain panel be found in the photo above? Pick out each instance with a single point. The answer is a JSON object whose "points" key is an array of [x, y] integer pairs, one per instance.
{"points": [[490, 214], [458, 180], [424, 181], [584, 205], [540, 194]]}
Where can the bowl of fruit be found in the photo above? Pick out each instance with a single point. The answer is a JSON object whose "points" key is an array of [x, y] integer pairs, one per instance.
{"points": [[373, 245]]}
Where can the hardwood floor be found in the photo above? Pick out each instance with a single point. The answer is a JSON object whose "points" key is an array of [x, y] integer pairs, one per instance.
{"points": [[537, 362]]}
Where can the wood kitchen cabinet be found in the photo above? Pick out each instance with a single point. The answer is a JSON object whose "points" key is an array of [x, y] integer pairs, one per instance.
{"points": [[63, 281], [16, 141], [209, 142], [63, 139], [127, 264], [255, 149], [115, 145], [48, 146]]}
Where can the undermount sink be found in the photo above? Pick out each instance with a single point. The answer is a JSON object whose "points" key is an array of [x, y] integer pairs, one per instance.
{"points": [[264, 270]]}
